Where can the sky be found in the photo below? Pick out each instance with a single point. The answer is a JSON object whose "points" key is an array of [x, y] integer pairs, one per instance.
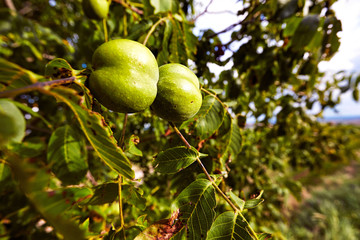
{"points": [[221, 14]]}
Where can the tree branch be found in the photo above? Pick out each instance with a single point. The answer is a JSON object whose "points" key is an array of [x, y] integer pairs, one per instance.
{"points": [[153, 29], [10, 5], [36, 86], [205, 11], [132, 8]]}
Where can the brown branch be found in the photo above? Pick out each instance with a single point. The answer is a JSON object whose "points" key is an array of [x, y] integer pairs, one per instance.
{"points": [[132, 8], [205, 11], [180, 134], [36, 86], [91, 178], [10, 5], [242, 22]]}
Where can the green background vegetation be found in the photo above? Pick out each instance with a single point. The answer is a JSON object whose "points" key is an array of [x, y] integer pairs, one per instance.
{"points": [[61, 181]]}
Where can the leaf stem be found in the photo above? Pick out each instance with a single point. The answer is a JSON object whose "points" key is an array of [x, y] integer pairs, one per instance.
{"points": [[215, 96], [36, 86], [121, 214], [105, 30], [152, 29], [236, 210], [132, 8], [180, 135]]}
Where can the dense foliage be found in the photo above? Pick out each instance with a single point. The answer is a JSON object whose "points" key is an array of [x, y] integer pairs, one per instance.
{"points": [[82, 171]]}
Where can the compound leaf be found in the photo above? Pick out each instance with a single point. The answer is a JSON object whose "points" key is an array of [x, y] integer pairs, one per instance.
{"points": [[196, 203], [51, 204], [229, 226], [209, 118], [164, 5], [13, 76], [67, 155], [97, 132], [104, 193], [233, 142], [175, 159]]}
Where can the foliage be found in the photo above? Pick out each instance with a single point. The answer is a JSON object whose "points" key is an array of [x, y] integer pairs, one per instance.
{"points": [[83, 171], [330, 213]]}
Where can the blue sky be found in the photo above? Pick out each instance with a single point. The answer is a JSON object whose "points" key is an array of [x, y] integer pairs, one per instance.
{"points": [[222, 13]]}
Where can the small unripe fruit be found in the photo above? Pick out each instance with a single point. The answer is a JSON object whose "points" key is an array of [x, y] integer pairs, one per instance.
{"points": [[179, 97], [125, 76], [96, 9]]}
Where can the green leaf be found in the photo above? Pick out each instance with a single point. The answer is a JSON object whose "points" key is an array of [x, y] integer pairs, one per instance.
{"points": [[12, 123], [59, 68], [109, 192], [232, 142], [264, 236], [177, 48], [33, 49], [52, 205], [5, 173], [175, 159], [97, 132], [165, 5], [104, 193], [35, 114], [356, 94], [170, 228], [253, 203], [13, 76], [67, 155], [30, 147], [190, 40], [139, 29], [196, 204], [305, 32], [208, 119], [132, 195], [131, 147], [291, 26], [238, 201], [229, 226], [163, 56]]}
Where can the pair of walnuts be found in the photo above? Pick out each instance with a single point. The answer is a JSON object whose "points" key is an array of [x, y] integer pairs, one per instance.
{"points": [[127, 79]]}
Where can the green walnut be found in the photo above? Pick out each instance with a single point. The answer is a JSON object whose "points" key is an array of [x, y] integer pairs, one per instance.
{"points": [[96, 9], [179, 97], [12, 123], [125, 76]]}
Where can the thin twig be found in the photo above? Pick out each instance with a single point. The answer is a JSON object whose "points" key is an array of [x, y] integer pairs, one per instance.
{"points": [[10, 5], [205, 11], [91, 178], [242, 22], [121, 145], [215, 96], [153, 29], [36, 86], [180, 135], [121, 214], [132, 8]]}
